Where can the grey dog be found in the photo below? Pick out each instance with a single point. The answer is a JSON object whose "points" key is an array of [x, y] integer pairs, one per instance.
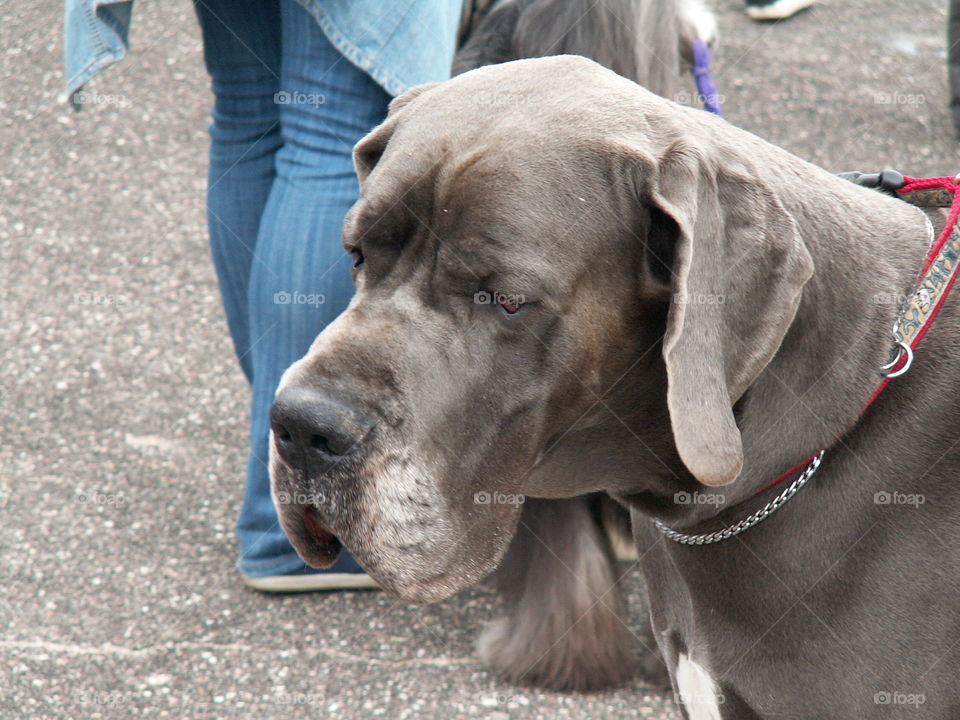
{"points": [[678, 307]]}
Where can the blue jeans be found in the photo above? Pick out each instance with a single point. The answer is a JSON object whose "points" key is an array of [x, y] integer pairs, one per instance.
{"points": [[288, 109]]}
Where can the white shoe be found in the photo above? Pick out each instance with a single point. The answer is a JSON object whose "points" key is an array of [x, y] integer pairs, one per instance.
{"points": [[311, 582], [778, 9]]}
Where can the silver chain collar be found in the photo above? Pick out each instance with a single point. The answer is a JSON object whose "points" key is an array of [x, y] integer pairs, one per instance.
{"points": [[747, 523]]}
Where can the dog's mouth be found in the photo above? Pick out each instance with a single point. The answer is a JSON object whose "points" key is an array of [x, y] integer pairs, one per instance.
{"points": [[395, 521], [317, 546]]}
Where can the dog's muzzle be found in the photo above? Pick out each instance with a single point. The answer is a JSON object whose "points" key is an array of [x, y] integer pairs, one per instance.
{"points": [[315, 435]]}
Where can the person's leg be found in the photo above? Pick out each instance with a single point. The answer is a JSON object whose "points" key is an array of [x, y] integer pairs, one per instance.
{"points": [[301, 280], [241, 42]]}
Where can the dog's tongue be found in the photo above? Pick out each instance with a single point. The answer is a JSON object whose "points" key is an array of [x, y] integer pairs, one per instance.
{"points": [[324, 547]]}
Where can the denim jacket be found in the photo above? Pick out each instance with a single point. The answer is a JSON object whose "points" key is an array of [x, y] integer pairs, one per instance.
{"points": [[410, 43]]}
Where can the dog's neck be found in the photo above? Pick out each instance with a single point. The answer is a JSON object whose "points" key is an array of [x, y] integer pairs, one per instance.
{"points": [[818, 382], [867, 253]]}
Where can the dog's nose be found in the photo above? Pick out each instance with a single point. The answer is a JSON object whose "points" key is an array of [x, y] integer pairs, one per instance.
{"points": [[310, 426]]}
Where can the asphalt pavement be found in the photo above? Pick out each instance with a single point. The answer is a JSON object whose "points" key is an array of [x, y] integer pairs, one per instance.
{"points": [[123, 412]]}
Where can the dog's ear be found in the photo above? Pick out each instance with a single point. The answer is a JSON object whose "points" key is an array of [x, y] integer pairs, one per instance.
{"points": [[736, 266], [401, 101], [367, 152]]}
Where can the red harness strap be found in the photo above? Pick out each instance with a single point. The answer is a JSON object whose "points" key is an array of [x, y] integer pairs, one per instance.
{"points": [[948, 184], [912, 191], [936, 278], [787, 474]]}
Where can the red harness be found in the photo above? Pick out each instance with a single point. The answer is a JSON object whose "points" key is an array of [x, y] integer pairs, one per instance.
{"points": [[940, 270]]}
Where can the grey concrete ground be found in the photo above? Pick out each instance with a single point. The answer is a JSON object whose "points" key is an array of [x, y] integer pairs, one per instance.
{"points": [[123, 412]]}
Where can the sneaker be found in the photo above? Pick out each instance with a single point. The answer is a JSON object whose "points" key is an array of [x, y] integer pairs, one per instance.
{"points": [[776, 10], [345, 574]]}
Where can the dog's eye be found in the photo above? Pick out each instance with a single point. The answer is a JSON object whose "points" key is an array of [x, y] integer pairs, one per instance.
{"points": [[510, 308], [357, 257], [509, 303]]}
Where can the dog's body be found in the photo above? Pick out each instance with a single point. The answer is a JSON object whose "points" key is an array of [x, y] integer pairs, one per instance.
{"points": [[647, 41], [699, 312], [639, 40]]}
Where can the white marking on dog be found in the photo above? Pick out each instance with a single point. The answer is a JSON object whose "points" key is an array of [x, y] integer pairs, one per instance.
{"points": [[697, 690]]}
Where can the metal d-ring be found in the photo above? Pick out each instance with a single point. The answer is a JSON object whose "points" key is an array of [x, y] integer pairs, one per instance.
{"points": [[902, 349]]}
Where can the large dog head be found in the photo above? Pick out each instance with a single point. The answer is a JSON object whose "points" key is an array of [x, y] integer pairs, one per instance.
{"points": [[538, 312]]}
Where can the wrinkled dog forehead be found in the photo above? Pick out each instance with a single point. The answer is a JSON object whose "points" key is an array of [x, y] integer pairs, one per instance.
{"points": [[506, 123], [563, 95], [528, 127]]}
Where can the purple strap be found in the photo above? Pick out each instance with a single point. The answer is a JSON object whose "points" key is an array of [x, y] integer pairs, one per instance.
{"points": [[704, 78]]}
